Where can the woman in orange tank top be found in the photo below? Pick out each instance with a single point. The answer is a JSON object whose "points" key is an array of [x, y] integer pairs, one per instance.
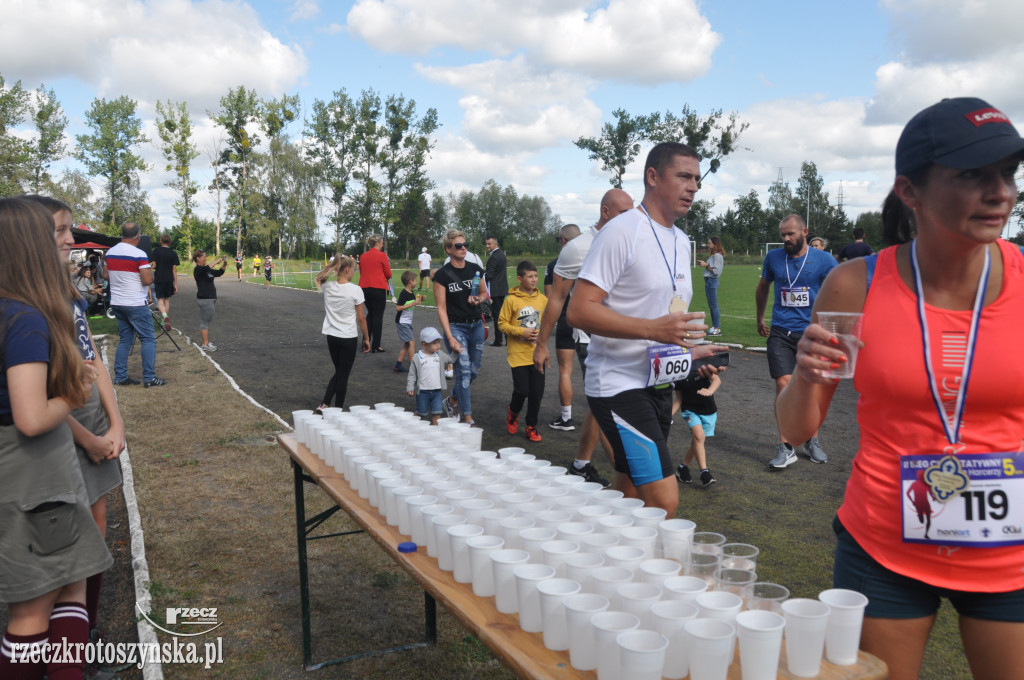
{"points": [[941, 383]]}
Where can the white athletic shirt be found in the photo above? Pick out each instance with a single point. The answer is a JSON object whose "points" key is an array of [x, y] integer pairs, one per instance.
{"points": [[625, 261], [424, 260], [571, 257], [340, 300]]}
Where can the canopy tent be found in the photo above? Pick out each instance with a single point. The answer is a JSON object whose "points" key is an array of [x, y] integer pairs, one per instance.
{"points": [[85, 238], [89, 245]]}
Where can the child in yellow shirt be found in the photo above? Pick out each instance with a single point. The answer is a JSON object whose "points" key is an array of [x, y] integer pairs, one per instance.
{"points": [[519, 320]]}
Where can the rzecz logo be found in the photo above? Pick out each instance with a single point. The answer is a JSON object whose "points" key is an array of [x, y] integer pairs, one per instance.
{"points": [[192, 621]]}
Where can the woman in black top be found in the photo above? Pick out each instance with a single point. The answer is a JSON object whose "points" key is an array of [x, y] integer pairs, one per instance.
{"points": [[458, 314], [206, 294]]}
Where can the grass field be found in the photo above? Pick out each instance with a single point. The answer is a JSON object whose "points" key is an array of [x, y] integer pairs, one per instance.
{"points": [[735, 296]]}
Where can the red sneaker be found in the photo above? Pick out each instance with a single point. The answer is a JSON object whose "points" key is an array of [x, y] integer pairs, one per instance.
{"points": [[532, 434], [512, 422]]}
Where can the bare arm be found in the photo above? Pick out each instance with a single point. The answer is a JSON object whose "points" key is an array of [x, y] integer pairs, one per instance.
{"points": [[33, 413], [441, 300], [174, 277], [361, 319], [802, 406], [146, 275], [559, 292], [761, 300]]}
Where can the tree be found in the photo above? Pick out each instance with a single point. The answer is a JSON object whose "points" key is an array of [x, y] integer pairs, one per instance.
{"points": [[14, 152], [366, 143], [713, 136], [75, 189], [107, 152], [49, 145], [780, 201], [618, 144], [745, 223], [276, 116], [239, 108], [871, 223], [332, 151], [217, 184], [409, 141], [174, 125]]}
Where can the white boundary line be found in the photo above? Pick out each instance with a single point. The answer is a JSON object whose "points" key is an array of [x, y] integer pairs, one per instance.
{"points": [[140, 567]]}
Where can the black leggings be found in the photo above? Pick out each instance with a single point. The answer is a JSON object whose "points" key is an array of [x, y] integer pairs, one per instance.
{"points": [[343, 354], [376, 303], [527, 382]]}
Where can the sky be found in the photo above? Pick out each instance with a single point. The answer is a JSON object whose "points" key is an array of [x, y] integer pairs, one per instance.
{"points": [[514, 83]]}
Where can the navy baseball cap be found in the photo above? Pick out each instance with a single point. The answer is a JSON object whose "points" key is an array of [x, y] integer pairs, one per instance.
{"points": [[960, 133]]}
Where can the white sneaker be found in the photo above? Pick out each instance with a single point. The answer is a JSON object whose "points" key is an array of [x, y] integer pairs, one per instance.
{"points": [[450, 373], [209, 347]]}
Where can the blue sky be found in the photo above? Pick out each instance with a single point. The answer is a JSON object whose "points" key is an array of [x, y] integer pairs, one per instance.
{"points": [[515, 82]]}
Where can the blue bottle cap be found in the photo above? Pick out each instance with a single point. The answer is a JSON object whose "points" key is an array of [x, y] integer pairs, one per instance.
{"points": [[407, 547]]}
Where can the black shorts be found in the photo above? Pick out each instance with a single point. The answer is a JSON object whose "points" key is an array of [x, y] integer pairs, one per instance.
{"points": [[563, 335], [163, 290], [238, 266], [782, 351], [424, 273], [582, 350], [636, 423], [268, 274]]}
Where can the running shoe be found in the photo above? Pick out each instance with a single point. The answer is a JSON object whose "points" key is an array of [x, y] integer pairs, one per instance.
{"points": [[167, 323], [589, 473], [155, 382], [714, 331], [683, 474], [532, 434], [451, 410], [209, 347], [784, 457], [562, 424], [512, 422], [449, 373], [399, 368], [126, 382], [706, 478], [814, 451]]}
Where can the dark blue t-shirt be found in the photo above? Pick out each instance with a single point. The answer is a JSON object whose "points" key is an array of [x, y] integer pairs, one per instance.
{"points": [[25, 340], [794, 274]]}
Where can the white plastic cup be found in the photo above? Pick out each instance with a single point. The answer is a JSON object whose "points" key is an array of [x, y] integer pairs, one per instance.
{"points": [[760, 636], [427, 516], [670, 617], [606, 580], [508, 451], [607, 627], [614, 524], [579, 609], [642, 654], [510, 528], [734, 580], [553, 592], [401, 494], [416, 505], [766, 596], [503, 562], [491, 520], [806, 625], [458, 536], [626, 506], [579, 565], [740, 556], [637, 598], [555, 552], [649, 517], [533, 538], [442, 539], [685, 588], [707, 542], [527, 578], [597, 543], [627, 556], [657, 571], [643, 537], [482, 573], [719, 605], [552, 519], [390, 506], [592, 512], [847, 328], [709, 648], [842, 638], [473, 509], [573, 531], [703, 565], [606, 496]]}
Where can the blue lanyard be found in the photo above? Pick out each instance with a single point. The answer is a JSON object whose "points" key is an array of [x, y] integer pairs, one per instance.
{"points": [[675, 250], [951, 426]]}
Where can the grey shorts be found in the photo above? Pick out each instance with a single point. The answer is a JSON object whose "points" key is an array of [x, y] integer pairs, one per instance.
{"points": [[404, 332], [206, 309], [782, 351]]}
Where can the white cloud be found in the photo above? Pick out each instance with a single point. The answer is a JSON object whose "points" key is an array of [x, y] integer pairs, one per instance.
{"points": [[938, 31], [304, 9], [651, 42], [511, 108], [193, 51], [457, 164]]}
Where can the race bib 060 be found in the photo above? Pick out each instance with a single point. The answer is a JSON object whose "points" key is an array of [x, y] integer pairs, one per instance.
{"points": [[668, 363]]}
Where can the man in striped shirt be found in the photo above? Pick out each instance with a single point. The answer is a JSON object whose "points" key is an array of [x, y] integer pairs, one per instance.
{"points": [[130, 275]]}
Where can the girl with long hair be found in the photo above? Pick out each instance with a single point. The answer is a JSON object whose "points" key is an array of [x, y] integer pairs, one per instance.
{"points": [[712, 277], [49, 542], [343, 320]]}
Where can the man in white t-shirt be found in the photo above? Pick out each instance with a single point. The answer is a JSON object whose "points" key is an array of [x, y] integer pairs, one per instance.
{"points": [[424, 266], [567, 269], [632, 296], [130, 274]]}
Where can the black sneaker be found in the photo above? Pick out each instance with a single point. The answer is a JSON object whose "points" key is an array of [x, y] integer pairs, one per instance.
{"points": [[683, 474], [562, 424], [706, 478], [589, 473], [155, 382], [126, 381]]}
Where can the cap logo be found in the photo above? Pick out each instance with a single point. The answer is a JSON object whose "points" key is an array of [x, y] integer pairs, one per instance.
{"points": [[989, 115]]}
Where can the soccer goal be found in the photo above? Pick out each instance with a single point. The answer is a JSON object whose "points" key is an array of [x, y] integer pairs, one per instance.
{"points": [[770, 246]]}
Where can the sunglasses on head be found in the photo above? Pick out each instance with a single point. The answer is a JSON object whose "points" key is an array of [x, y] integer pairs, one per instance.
{"points": [[459, 245]]}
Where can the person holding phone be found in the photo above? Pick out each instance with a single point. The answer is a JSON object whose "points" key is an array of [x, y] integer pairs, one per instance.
{"points": [[206, 294]]}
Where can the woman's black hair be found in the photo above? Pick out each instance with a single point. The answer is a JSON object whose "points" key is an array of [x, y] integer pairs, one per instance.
{"points": [[898, 224]]}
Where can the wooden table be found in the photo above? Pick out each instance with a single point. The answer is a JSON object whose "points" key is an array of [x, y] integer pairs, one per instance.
{"points": [[524, 653]]}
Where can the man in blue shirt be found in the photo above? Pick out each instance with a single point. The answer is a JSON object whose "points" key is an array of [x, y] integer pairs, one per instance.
{"points": [[797, 272]]}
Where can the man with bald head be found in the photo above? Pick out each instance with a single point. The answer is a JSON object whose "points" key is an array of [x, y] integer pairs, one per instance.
{"points": [[567, 269]]}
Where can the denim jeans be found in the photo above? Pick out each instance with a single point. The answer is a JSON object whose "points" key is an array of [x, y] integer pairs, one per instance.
{"points": [[131, 322], [468, 361], [711, 291]]}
